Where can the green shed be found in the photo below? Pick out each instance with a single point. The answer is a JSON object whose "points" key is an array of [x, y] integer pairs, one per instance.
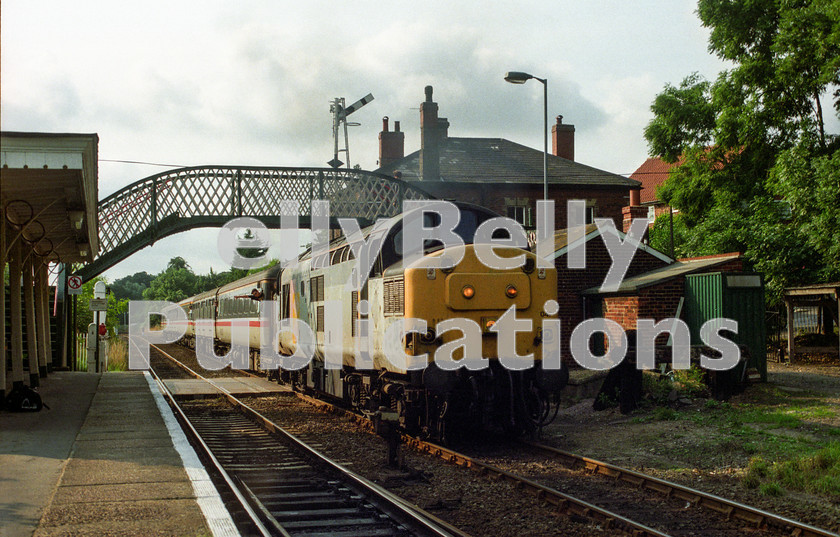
{"points": [[731, 295]]}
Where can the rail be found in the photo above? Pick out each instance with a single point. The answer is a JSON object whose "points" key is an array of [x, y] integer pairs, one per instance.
{"points": [[404, 514]]}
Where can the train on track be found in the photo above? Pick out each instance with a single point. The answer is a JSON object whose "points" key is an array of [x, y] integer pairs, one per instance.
{"points": [[350, 323]]}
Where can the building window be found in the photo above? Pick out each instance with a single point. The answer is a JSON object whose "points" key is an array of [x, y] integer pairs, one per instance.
{"points": [[591, 211], [520, 210]]}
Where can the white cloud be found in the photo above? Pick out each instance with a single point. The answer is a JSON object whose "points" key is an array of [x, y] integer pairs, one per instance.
{"points": [[213, 82]]}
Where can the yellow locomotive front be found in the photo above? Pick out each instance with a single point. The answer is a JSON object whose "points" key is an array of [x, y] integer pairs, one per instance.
{"points": [[483, 339]]}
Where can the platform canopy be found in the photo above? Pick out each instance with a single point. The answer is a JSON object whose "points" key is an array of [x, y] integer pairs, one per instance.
{"points": [[49, 192]]}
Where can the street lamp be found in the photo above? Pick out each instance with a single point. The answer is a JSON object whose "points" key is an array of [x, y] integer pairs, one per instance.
{"points": [[518, 77]]}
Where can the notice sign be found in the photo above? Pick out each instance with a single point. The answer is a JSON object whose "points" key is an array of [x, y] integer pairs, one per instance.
{"points": [[98, 304], [74, 285]]}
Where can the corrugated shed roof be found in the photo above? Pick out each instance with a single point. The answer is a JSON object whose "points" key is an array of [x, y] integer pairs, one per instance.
{"points": [[651, 174], [496, 160], [678, 268]]}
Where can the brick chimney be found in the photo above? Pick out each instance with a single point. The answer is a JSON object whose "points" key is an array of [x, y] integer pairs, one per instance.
{"points": [[391, 143], [563, 140], [632, 212], [429, 139], [635, 196]]}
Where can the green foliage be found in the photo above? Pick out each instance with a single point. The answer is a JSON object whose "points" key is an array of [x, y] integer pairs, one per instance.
{"points": [[174, 284], [754, 136], [132, 287], [818, 472], [84, 316], [660, 235], [656, 389], [683, 118], [664, 413], [691, 381]]}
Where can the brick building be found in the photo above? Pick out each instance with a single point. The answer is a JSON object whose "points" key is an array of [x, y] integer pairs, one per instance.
{"points": [[651, 174], [499, 174], [656, 294], [576, 304]]}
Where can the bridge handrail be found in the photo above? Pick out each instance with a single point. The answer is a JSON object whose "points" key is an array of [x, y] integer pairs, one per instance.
{"points": [[182, 198]]}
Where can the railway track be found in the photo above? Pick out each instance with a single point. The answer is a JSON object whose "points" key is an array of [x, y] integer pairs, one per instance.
{"points": [[278, 485], [729, 509], [670, 508], [614, 498]]}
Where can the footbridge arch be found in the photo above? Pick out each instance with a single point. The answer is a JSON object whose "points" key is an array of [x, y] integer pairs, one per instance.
{"points": [[209, 196]]}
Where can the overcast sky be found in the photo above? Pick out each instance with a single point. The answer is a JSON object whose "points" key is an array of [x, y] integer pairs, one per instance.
{"points": [[217, 82]]}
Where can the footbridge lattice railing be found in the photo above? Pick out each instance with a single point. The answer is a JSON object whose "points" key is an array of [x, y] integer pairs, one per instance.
{"points": [[209, 196]]}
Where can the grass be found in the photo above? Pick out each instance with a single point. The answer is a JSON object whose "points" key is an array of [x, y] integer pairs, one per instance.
{"points": [[817, 473], [787, 438], [686, 382], [117, 354]]}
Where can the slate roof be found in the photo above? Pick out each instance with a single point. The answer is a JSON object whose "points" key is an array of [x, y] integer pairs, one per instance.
{"points": [[496, 160]]}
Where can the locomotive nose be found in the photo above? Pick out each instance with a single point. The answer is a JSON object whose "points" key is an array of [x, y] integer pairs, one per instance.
{"points": [[467, 291]]}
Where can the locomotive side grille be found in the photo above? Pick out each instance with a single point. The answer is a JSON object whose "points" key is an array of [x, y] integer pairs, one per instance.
{"points": [[316, 288], [319, 319], [394, 300], [354, 314]]}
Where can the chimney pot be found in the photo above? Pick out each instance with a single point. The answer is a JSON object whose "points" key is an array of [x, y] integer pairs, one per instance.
{"points": [[391, 144], [429, 139]]}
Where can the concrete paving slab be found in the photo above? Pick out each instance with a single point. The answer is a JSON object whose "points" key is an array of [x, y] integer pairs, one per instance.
{"points": [[118, 442], [233, 385], [122, 475], [179, 490], [106, 451], [86, 436], [153, 513], [34, 448], [119, 529], [100, 472]]}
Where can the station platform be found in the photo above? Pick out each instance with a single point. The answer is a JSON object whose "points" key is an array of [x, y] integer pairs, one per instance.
{"points": [[197, 388], [105, 458]]}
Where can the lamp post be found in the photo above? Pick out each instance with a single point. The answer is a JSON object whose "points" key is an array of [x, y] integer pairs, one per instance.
{"points": [[518, 77]]}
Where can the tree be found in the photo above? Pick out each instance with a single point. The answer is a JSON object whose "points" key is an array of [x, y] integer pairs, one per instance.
{"points": [[116, 307], [758, 171], [174, 284], [132, 287]]}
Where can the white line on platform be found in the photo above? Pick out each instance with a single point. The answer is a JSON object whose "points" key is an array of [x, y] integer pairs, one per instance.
{"points": [[211, 505]]}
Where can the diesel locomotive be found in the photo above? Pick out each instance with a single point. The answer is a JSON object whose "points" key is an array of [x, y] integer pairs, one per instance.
{"points": [[454, 376]]}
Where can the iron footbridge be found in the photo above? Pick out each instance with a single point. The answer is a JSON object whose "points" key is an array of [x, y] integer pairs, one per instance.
{"points": [[209, 196]]}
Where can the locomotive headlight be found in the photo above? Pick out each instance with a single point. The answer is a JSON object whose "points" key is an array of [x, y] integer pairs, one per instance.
{"points": [[468, 291], [511, 291]]}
